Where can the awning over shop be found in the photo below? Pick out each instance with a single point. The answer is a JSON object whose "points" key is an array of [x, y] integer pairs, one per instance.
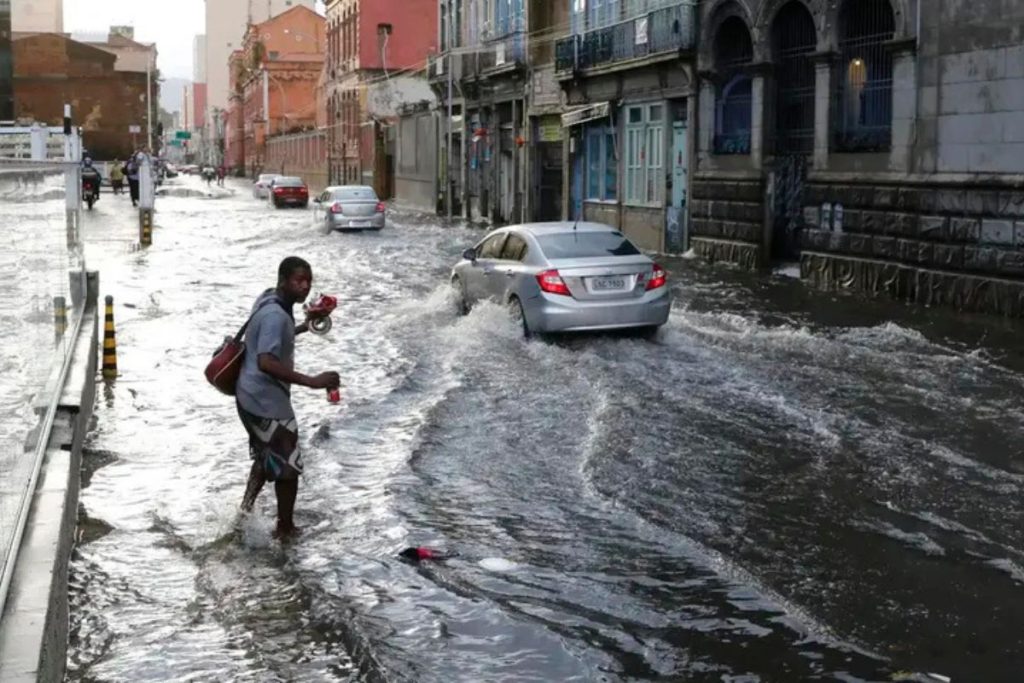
{"points": [[590, 112]]}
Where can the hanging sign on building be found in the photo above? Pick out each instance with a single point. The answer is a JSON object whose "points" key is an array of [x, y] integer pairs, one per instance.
{"points": [[590, 112], [550, 129], [640, 27]]}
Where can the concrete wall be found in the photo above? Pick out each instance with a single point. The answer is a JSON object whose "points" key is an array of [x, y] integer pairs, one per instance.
{"points": [[971, 70], [37, 16]]}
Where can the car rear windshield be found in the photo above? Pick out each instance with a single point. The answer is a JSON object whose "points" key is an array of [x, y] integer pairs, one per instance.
{"points": [[288, 182], [349, 194], [565, 245]]}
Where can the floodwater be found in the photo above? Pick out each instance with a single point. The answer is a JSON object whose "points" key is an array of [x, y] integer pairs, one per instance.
{"points": [[785, 485]]}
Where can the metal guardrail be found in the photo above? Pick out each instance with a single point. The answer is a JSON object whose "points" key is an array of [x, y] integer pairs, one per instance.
{"points": [[41, 200], [663, 30]]}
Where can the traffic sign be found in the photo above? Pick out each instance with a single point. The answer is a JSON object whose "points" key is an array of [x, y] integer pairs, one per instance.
{"points": [[134, 129], [183, 135]]}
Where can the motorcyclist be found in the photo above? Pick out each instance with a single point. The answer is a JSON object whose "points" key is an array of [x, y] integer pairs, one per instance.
{"points": [[91, 174]]}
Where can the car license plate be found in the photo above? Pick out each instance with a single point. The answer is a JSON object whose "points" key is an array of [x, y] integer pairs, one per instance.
{"points": [[361, 224], [607, 284]]}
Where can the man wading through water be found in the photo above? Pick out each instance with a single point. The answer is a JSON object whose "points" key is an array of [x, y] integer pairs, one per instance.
{"points": [[264, 391]]}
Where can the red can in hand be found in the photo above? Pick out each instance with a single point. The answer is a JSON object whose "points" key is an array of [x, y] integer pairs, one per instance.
{"points": [[334, 395]]}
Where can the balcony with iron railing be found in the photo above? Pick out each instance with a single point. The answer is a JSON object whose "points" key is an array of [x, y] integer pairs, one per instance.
{"points": [[662, 31]]}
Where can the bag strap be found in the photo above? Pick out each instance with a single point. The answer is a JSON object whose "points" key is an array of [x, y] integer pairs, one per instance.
{"points": [[245, 326]]}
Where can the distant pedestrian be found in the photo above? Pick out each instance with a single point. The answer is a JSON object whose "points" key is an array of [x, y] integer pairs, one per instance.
{"points": [[221, 172], [117, 177], [264, 391], [131, 170]]}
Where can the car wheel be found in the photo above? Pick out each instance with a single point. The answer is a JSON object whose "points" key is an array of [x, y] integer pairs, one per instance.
{"points": [[461, 303], [649, 333], [518, 313]]}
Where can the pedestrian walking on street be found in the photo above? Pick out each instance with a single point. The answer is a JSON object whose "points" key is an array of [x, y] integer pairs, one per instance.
{"points": [[221, 172], [264, 391], [117, 177], [131, 170]]}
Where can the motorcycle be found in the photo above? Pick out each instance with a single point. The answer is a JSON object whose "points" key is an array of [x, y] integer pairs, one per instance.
{"points": [[90, 191]]}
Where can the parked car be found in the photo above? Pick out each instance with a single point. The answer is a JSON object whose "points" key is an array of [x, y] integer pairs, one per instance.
{"points": [[261, 188], [288, 191], [350, 207], [562, 277]]}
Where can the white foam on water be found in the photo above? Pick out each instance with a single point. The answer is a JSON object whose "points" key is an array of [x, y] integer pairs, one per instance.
{"points": [[395, 532], [497, 564], [1008, 566]]}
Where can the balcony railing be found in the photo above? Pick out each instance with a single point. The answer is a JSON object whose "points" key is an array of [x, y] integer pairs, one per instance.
{"points": [[669, 29]]}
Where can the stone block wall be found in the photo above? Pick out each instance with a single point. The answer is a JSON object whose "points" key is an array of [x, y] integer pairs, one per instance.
{"points": [[728, 211], [929, 243]]}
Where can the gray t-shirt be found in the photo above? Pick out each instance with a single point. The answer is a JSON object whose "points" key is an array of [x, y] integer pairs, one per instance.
{"points": [[271, 330]]}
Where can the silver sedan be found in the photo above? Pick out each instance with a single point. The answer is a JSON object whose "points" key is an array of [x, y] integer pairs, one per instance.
{"points": [[563, 277], [261, 188], [350, 207]]}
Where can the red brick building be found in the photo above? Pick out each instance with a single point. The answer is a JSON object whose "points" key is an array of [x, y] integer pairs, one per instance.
{"points": [[376, 55], [273, 85], [51, 69]]}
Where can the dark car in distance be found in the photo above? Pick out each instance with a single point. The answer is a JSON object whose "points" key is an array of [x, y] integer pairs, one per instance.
{"points": [[289, 191]]}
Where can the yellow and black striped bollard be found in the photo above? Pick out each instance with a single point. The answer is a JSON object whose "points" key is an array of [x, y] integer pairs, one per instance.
{"points": [[145, 227], [60, 317], [109, 342]]}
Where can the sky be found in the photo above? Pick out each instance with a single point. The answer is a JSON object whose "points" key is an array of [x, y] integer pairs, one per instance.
{"points": [[172, 25]]}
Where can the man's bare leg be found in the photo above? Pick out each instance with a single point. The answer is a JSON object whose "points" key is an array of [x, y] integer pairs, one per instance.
{"points": [[255, 484], [287, 491]]}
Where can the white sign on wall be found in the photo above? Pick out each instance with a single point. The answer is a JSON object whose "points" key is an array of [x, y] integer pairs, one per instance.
{"points": [[641, 31]]}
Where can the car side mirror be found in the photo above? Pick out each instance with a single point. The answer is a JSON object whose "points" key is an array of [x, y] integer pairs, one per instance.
{"points": [[317, 200], [469, 255]]}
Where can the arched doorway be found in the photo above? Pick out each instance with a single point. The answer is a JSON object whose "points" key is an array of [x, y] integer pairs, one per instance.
{"points": [[793, 43]]}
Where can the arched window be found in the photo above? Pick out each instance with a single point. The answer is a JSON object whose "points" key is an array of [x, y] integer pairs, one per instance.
{"points": [[733, 52], [862, 113], [793, 43]]}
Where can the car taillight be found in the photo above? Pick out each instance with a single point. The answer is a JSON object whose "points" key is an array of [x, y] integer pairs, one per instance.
{"points": [[657, 279], [552, 283], [336, 208], [380, 207], [278, 190]]}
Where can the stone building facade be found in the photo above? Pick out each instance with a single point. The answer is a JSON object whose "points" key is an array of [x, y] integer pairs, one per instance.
{"points": [[376, 54], [880, 142]]}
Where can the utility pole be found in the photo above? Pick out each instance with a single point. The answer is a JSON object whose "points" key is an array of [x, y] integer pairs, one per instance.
{"points": [[448, 152], [148, 102]]}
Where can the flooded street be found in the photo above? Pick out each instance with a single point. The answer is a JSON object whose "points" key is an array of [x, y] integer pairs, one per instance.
{"points": [[785, 485]]}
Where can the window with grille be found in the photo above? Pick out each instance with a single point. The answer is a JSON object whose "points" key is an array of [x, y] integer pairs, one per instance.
{"points": [[733, 53], [793, 41], [862, 108]]}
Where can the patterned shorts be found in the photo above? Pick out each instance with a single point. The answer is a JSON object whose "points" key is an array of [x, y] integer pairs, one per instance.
{"points": [[274, 444]]}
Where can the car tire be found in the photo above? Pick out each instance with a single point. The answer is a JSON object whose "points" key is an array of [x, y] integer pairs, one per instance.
{"points": [[649, 333], [461, 303], [518, 313]]}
